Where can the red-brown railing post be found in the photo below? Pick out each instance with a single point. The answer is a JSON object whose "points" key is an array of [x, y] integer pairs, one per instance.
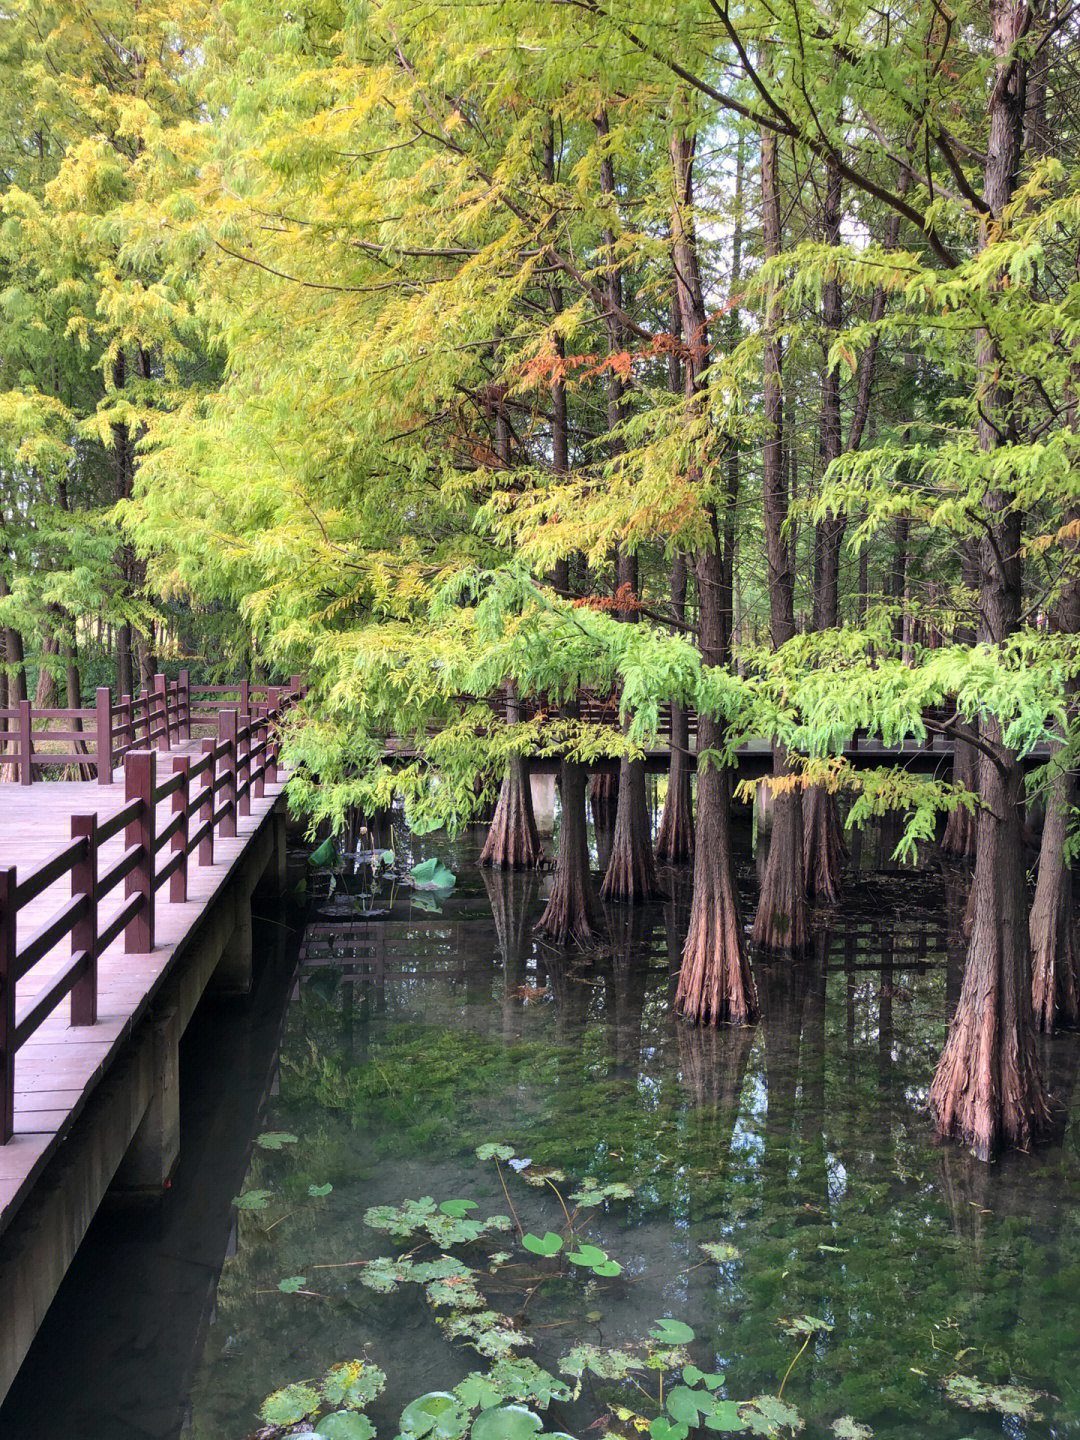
{"points": [[296, 684], [140, 782], [84, 933], [259, 738], [245, 697], [104, 735], [144, 700], [274, 696], [243, 764], [183, 695], [8, 951], [181, 805], [228, 723], [26, 743], [161, 694], [206, 844]]}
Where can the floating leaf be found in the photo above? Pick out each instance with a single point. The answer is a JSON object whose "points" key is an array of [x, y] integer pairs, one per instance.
{"points": [[492, 1151], [848, 1429], [432, 874], [275, 1139], [345, 1425], [457, 1208], [684, 1405], [520, 1165], [488, 1331], [719, 1251], [549, 1244], [506, 1422], [438, 1414], [355, 1383], [662, 1429], [769, 1415], [725, 1418], [541, 1177], [587, 1255], [593, 1194], [671, 1332], [292, 1283], [799, 1326], [1013, 1400], [252, 1200], [604, 1364], [317, 1191], [290, 1405]]}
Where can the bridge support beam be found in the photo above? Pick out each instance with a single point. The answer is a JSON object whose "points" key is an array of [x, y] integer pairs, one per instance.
{"points": [[543, 798], [148, 1165]]}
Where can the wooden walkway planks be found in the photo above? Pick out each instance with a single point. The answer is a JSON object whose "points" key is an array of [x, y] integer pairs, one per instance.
{"points": [[58, 1067]]}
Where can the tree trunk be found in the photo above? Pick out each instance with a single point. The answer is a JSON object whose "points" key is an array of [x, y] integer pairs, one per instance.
{"points": [[571, 915], [715, 981], [1055, 945], [675, 838], [781, 919], [959, 835], [512, 841], [1055, 953], [987, 1090], [823, 842]]}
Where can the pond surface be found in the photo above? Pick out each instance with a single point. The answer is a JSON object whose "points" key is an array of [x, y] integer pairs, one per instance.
{"points": [[799, 1144]]}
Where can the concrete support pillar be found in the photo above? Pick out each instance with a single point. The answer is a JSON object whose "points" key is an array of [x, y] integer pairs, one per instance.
{"points": [[279, 864], [543, 798], [151, 1157], [233, 973], [764, 803]]}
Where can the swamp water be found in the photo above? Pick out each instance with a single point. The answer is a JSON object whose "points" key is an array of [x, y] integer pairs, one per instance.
{"points": [[797, 1150]]}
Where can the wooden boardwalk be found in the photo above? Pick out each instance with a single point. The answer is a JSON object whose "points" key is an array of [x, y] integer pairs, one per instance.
{"points": [[58, 1067]]}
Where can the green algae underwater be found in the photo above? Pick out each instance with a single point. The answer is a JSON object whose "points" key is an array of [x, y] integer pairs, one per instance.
{"points": [[501, 1191]]}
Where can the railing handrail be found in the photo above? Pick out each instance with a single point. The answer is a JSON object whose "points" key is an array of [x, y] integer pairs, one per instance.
{"points": [[246, 749], [159, 716]]}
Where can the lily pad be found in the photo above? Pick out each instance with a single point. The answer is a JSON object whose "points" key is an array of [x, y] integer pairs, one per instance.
{"points": [[671, 1332], [289, 1405], [345, 1425], [291, 1284], [253, 1200], [1015, 1400], [719, 1251], [549, 1244], [506, 1422], [432, 874], [318, 1191], [458, 1208], [275, 1139], [438, 1414], [663, 1429], [490, 1150]]}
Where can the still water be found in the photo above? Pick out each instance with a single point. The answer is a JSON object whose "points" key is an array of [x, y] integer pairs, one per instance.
{"points": [[374, 1065]]}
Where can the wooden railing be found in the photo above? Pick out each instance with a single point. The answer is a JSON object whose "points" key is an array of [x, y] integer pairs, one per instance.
{"points": [[159, 717], [231, 768]]}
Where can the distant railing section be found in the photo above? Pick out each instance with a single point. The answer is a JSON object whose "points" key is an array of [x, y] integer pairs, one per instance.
{"points": [[233, 766], [157, 717]]}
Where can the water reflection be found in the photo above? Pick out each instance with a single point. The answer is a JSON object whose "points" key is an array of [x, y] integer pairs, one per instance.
{"points": [[800, 1142]]}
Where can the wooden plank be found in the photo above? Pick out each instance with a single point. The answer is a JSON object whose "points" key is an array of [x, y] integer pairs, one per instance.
{"points": [[59, 1066]]}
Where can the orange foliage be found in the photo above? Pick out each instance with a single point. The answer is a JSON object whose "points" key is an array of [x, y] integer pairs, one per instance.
{"points": [[623, 602]]}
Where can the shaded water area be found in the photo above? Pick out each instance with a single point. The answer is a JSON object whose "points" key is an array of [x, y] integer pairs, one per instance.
{"points": [[800, 1144]]}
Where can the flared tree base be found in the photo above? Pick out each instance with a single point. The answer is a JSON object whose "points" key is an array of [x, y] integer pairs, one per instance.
{"points": [[824, 851], [630, 877], [571, 916], [512, 841], [716, 985], [781, 922]]}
